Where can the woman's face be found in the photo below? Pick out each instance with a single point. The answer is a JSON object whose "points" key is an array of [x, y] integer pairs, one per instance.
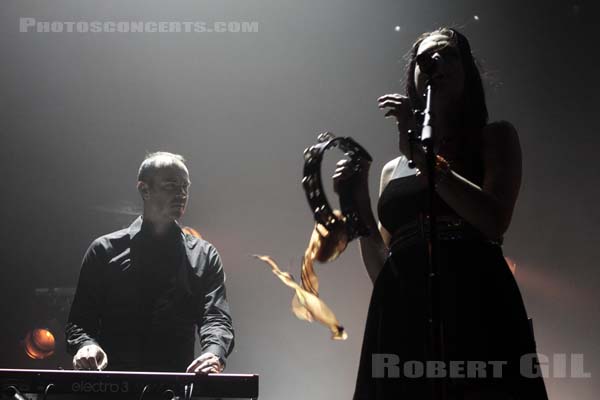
{"points": [[448, 76]]}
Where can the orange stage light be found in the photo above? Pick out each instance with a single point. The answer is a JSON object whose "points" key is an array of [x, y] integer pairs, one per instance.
{"points": [[191, 231], [511, 265], [39, 344]]}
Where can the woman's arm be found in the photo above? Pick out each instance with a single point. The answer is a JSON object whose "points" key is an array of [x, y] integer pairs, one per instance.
{"points": [[374, 247], [488, 208]]}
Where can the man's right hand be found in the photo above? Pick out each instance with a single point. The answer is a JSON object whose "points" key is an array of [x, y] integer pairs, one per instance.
{"points": [[90, 357]]}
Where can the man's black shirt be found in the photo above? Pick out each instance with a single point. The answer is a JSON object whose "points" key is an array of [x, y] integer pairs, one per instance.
{"points": [[139, 298]]}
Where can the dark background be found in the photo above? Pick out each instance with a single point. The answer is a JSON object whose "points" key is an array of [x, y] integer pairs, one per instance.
{"points": [[80, 110]]}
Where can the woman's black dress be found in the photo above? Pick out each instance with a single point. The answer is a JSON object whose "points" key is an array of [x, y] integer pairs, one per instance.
{"points": [[484, 316]]}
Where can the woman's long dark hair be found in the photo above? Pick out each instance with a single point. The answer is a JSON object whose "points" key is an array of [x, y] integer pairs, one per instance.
{"points": [[474, 109]]}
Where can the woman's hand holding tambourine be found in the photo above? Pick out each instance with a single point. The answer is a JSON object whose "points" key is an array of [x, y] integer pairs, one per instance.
{"points": [[354, 181], [350, 183]]}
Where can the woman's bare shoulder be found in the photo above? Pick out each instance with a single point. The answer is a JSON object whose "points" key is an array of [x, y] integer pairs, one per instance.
{"points": [[389, 166], [501, 138], [502, 152], [387, 172], [499, 130]]}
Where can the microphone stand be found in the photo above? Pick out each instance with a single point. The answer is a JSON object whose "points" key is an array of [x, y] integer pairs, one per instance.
{"points": [[439, 388]]}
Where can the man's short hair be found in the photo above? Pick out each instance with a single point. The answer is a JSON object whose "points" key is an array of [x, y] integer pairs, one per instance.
{"points": [[155, 161]]}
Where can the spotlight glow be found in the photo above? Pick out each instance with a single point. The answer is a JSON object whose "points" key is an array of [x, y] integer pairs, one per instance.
{"points": [[191, 231], [39, 344]]}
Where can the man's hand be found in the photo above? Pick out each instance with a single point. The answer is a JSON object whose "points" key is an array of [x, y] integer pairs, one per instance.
{"points": [[207, 363], [90, 357]]}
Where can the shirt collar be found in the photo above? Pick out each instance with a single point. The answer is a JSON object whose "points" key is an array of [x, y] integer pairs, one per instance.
{"points": [[136, 227]]}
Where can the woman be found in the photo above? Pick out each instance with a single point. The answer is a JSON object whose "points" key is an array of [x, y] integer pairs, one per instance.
{"points": [[478, 169]]}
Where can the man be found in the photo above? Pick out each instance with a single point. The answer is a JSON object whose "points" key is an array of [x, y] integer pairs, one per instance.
{"points": [[142, 289]]}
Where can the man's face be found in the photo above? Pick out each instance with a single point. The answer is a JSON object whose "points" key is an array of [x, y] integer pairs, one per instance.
{"points": [[166, 196]]}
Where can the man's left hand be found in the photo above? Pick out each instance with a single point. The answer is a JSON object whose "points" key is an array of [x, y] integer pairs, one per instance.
{"points": [[207, 363]]}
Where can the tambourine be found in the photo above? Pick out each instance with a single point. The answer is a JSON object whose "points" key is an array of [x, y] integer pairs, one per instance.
{"points": [[313, 186], [333, 230]]}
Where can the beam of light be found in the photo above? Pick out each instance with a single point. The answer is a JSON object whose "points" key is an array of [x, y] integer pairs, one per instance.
{"points": [[124, 208], [541, 284]]}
